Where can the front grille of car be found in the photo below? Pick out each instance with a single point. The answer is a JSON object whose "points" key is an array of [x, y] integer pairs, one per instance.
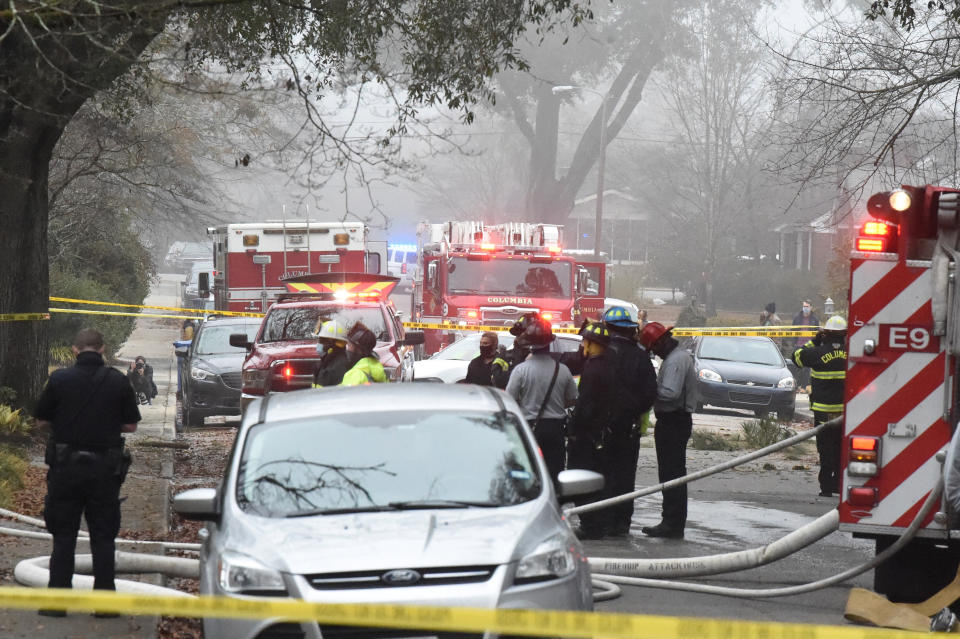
{"points": [[746, 382], [282, 631], [359, 632], [374, 578], [747, 398], [232, 380]]}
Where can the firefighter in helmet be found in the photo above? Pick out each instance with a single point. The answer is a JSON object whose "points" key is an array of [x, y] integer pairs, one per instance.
{"points": [[591, 444], [544, 388], [632, 391], [331, 347], [674, 408], [826, 356], [365, 367]]}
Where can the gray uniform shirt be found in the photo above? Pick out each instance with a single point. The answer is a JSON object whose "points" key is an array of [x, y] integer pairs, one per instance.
{"points": [[677, 383], [951, 479], [528, 386]]}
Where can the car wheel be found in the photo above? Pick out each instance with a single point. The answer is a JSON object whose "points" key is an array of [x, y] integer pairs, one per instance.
{"points": [[761, 413], [785, 414]]}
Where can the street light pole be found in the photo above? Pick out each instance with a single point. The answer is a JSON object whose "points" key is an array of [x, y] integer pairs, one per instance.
{"points": [[601, 160], [601, 163]]}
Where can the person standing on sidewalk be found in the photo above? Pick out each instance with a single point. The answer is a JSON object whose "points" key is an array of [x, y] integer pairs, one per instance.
{"points": [[674, 408], [826, 356], [86, 408]]}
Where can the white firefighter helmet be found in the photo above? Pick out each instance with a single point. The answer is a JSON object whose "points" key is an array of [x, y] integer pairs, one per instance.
{"points": [[836, 324], [333, 330]]}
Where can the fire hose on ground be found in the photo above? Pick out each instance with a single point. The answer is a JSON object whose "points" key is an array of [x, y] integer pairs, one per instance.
{"points": [[608, 571]]}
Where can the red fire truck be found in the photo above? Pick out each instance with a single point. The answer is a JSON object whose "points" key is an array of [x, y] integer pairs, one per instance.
{"points": [[901, 391], [253, 260], [476, 274]]}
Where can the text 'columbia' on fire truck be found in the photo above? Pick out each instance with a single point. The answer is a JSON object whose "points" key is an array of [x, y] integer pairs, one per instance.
{"points": [[900, 404], [252, 261], [470, 273]]}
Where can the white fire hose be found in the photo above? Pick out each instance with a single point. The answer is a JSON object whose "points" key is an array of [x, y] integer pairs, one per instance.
{"points": [[36, 574]]}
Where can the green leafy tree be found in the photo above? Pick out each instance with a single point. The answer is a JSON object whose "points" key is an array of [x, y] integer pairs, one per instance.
{"points": [[55, 57]]}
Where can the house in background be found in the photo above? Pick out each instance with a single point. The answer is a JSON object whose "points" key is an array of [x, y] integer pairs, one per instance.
{"points": [[811, 245], [625, 226]]}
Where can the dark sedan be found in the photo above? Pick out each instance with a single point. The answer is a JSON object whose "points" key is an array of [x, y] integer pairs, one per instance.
{"points": [[743, 372], [212, 369]]}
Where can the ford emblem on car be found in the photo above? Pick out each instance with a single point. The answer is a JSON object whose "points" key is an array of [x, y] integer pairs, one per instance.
{"points": [[402, 577]]}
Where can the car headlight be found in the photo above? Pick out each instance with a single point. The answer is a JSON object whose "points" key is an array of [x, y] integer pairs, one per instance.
{"points": [[552, 559], [201, 373], [786, 382], [710, 376], [242, 574]]}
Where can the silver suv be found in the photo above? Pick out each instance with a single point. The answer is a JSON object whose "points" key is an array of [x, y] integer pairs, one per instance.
{"points": [[376, 494]]}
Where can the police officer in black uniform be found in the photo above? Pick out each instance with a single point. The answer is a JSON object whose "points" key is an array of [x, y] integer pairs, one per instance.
{"points": [[86, 407], [633, 394]]}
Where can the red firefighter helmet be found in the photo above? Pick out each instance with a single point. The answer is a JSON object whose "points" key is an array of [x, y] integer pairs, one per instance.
{"points": [[652, 333]]}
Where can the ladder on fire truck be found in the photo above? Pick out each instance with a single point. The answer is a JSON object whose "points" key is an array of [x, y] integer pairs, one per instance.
{"points": [[283, 221]]}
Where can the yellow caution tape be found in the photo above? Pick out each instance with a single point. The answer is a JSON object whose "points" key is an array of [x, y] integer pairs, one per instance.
{"points": [[87, 311], [504, 621], [742, 332], [747, 331], [472, 327], [158, 308], [23, 317]]}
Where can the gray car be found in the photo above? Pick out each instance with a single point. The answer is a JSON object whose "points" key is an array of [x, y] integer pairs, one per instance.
{"points": [[386, 494]]}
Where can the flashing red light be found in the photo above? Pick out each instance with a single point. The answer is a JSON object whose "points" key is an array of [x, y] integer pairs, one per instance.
{"points": [[871, 245], [403, 268], [555, 249], [876, 228], [288, 371], [862, 496], [547, 316], [864, 443], [487, 247], [473, 314]]}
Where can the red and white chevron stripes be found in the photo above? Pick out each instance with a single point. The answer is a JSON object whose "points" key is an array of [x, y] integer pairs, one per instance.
{"points": [[899, 388]]}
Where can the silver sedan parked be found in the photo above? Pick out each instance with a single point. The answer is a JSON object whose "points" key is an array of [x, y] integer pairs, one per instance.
{"points": [[432, 495]]}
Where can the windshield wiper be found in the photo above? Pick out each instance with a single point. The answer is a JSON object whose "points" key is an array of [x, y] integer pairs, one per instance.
{"points": [[339, 511], [718, 359], [426, 504], [761, 363]]}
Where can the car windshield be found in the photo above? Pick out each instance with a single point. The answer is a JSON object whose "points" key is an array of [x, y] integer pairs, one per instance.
{"points": [[509, 277], [385, 461], [739, 349], [215, 340], [299, 323]]}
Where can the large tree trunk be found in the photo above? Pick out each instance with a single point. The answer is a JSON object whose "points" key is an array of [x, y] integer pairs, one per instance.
{"points": [[27, 144], [45, 77]]}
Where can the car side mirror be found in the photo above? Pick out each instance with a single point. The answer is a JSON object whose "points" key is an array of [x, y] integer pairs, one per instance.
{"points": [[180, 352], [240, 341], [203, 284], [412, 338], [200, 504], [579, 482]]}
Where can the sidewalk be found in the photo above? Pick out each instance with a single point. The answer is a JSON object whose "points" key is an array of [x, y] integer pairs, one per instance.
{"points": [[145, 494]]}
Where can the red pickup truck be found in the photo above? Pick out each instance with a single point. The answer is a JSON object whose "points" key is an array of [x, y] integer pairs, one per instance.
{"points": [[283, 355]]}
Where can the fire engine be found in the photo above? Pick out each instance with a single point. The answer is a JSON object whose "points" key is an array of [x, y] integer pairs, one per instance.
{"points": [[900, 402], [252, 261], [475, 274]]}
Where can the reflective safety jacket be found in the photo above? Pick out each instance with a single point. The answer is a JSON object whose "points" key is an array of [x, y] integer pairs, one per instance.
{"points": [[828, 370], [367, 371]]}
